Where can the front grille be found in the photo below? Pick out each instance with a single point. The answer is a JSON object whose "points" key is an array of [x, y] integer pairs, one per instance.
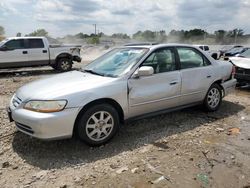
{"points": [[25, 128], [16, 101], [242, 71]]}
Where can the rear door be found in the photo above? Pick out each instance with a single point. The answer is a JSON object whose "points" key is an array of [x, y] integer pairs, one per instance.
{"points": [[38, 53], [196, 74], [15, 54], [159, 91]]}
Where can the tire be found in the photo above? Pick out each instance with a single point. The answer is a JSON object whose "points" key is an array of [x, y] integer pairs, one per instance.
{"points": [[64, 64], [213, 98], [98, 125]]}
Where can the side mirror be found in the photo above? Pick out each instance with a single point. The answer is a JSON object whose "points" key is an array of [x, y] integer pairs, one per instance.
{"points": [[226, 58], [4, 48], [144, 71]]}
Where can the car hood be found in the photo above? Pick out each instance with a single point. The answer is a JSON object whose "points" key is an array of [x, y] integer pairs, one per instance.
{"points": [[61, 86], [241, 62]]}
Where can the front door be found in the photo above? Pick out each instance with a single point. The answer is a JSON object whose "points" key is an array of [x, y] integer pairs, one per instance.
{"points": [[15, 54], [159, 91]]}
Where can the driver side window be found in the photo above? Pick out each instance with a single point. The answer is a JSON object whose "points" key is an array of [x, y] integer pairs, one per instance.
{"points": [[162, 60], [15, 44]]}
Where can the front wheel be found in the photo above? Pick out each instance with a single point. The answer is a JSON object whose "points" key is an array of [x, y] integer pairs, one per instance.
{"points": [[213, 98], [98, 124]]}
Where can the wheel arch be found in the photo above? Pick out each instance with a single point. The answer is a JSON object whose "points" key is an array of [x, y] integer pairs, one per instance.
{"points": [[109, 101], [63, 55], [219, 82]]}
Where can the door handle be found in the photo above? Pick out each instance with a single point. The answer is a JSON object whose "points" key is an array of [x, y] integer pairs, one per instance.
{"points": [[25, 52], [173, 83], [45, 51], [209, 76]]}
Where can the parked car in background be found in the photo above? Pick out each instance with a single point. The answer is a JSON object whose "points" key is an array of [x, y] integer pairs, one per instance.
{"points": [[213, 54], [234, 52], [129, 82], [36, 51], [227, 48], [242, 67]]}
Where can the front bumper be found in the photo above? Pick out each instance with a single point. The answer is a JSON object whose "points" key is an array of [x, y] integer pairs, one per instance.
{"points": [[77, 59], [46, 126], [229, 86], [242, 77]]}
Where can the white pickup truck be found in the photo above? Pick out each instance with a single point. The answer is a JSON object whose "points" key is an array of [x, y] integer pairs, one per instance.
{"points": [[212, 53], [36, 51]]}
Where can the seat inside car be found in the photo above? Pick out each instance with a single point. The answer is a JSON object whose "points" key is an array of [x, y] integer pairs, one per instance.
{"points": [[165, 62]]}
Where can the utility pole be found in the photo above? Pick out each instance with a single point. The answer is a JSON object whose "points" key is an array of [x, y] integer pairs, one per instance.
{"points": [[205, 36], [235, 38], [95, 28]]}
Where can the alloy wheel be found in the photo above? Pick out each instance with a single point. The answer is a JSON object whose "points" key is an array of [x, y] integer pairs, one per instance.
{"points": [[99, 126], [65, 65], [213, 98]]}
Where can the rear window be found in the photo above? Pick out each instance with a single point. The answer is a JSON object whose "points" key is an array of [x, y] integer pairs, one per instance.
{"points": [[206, 48], [191, 58], [35, 43]]}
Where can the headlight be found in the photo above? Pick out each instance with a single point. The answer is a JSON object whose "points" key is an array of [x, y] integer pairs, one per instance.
{"points": [[46, 106]]}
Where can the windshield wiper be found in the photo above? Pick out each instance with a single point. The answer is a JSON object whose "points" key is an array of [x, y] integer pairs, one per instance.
{"points": [[93, 72]]}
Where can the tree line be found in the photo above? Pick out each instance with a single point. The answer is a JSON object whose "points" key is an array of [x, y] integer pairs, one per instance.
{"points": [[2, 32], [236, 35]]}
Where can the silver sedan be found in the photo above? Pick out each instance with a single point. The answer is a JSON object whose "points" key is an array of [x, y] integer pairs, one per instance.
{"points": [[126, 83]]}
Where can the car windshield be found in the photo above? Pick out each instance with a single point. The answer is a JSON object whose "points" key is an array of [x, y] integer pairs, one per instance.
{"points": [[246, 53], [2, 42], [116, 62], [235, 50]]}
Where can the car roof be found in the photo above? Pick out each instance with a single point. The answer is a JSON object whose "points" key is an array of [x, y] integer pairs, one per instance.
{"points": [[200, 45], [156, 45], [14, 38]]}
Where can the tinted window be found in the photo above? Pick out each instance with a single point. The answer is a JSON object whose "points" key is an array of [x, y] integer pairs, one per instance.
{"points": [[201, 47], [35, 43], [162, 61], [190, 58], [15, 44], [206, 48]]}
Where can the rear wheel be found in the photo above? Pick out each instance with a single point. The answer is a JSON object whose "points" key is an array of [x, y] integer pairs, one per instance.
{"points": [[213, 98], [64, 64], [98, 124]]}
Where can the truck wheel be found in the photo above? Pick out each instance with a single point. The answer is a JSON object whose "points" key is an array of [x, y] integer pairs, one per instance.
{"points": [[213, 98], [98, 125], [64, 64]]}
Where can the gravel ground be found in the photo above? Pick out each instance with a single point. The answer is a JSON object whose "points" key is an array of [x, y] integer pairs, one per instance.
{"points": [[188, 148]]}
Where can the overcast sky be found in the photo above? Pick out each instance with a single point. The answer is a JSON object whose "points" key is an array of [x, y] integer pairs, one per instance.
{"points": [[61, 17]]}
